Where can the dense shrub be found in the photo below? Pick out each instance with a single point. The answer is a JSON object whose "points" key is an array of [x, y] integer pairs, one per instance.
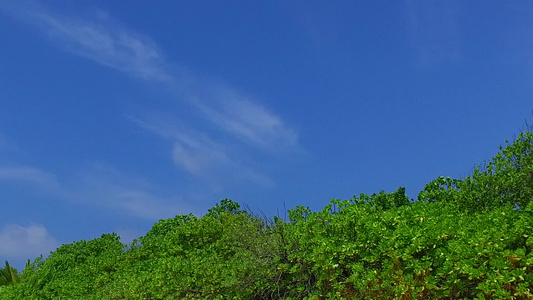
{"points": [[464, 239], [507, 179]]}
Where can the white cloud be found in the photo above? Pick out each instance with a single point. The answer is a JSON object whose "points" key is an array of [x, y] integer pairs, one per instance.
{"points": [[203, 157], [26, 242], [211, 162], [192, 150], [115, 48], [232, 115], [198, 156], [247, 120], [33, 176], [111, 45], [106, 187], [99, 39], [101, 186]]}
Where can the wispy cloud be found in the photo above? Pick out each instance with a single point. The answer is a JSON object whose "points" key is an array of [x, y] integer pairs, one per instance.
{"points": [[200, 155], [194, 151], [247, 120], [99, 39], [111, 47], [433, 30], [26, 241], [101, 186], [33, 176], [107, 187], [215, 165], [232, 115]]}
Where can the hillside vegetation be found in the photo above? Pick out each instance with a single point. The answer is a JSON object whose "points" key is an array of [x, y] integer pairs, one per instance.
{"points": [[463, 239]]}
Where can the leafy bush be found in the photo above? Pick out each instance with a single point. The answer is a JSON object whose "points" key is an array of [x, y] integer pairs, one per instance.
{"points": [[507, 179], [464, 239], [8, 275], [73, 270]]}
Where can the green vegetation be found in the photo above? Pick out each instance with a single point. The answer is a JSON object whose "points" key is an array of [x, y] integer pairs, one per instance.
{"points": [[469, 238], [8, 275]]}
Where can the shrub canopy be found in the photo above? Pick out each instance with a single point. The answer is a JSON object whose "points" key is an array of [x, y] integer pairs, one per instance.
{"points": [[463, 239]]}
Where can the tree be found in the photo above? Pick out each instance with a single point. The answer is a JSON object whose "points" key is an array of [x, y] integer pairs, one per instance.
{"points": [[8, 275]]}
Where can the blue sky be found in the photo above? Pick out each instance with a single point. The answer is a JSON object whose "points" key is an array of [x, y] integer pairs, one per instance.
{"points": [[115, 115]]}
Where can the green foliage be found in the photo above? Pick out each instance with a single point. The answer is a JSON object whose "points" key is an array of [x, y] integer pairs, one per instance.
{"points": [[73, 270], [422, 250], [463, 239], [8, 275], [225, 254], [507, 179]]}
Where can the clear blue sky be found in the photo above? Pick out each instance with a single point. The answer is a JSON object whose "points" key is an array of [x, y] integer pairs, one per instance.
{"points": [[114, 115]]}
